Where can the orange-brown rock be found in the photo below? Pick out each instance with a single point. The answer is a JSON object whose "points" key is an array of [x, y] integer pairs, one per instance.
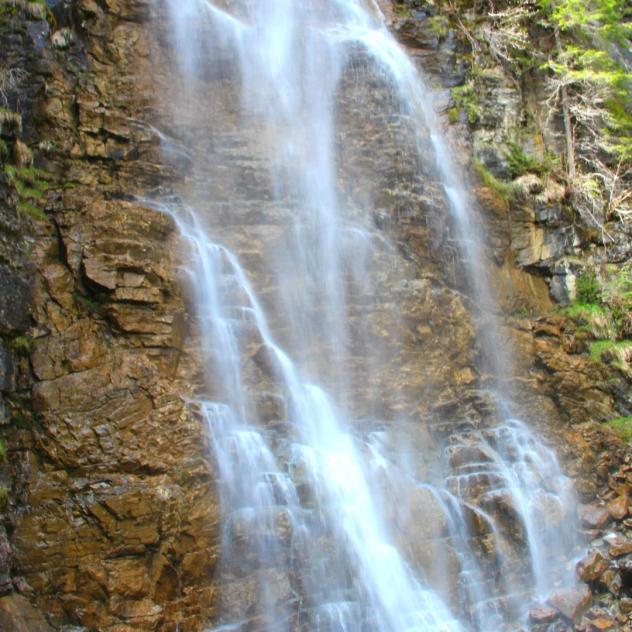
{"points": [[601, 624], [618, 507], [18, 615], [611, 579], [116, 527], [592, 566]]}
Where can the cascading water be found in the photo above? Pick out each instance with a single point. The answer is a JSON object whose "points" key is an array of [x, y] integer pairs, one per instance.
{"points": [[324, 507]]}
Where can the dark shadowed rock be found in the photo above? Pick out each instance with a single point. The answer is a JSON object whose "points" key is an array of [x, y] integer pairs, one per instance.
{"points": [[14, 301], [6, 369], [5, 562], [625, 571]]}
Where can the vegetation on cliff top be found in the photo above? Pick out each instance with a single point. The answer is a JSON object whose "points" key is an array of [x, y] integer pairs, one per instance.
{"points": [[593, 84], [580, 50]]}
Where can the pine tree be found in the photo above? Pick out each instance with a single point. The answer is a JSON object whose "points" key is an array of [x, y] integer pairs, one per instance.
{"points": [[592, 79]]}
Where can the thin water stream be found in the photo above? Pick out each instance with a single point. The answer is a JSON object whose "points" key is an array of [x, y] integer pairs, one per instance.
{"points": [[328, 525]]}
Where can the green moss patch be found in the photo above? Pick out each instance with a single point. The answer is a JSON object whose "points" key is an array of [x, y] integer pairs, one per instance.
{"points": [[595, 319], [623, 427]]}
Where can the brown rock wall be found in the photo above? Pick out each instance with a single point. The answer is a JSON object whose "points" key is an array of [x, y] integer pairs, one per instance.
{"points": [[115, 527]]}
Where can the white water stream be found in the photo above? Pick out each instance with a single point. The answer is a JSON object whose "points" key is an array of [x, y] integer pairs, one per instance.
{"points": [[313, 506]]}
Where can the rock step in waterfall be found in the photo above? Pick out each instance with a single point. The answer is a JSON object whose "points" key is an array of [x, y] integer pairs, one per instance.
{"points": [[330, 521]]}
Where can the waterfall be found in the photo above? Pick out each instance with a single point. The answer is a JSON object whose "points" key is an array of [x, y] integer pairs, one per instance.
{"points": [[330, 523]]}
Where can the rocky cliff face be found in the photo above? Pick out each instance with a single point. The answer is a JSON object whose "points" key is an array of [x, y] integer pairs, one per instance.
{"points": [[110, 517], [110, 511]]}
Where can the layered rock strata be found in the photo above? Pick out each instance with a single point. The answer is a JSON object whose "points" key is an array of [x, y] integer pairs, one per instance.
{"points": [[111, 514]]}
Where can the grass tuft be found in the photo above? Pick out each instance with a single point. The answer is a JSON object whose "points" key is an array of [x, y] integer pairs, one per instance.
{"points": [[623, 427], [594, 319], [502, 189]]}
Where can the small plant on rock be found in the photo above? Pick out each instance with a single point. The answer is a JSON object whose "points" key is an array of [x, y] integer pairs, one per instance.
{"points": [[30, 187], [588, 290], [623, 427], [464, 98], [502, 190], [520, 162]]}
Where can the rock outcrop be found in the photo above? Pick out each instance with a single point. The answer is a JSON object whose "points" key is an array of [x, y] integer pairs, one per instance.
{"points": [[110, 515]]}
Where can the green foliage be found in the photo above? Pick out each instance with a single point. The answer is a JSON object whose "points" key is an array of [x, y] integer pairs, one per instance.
{"points": [[599, 347], [617, 294], [587, 288], [619, 120], [27, 208], [86, 304], [401, 10], [520, 162], [30, 186], [603, 309], [595, 35], [501, 189], [617, 287], [607, 18], [623, 427], [464, 98], [595, 319], [22, 345], [617, 353], [3, 451], [36, 9], [439, 25]]}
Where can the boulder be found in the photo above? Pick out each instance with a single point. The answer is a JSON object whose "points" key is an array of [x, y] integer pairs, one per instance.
{"points": [[611, 579], [571, 602], [618, 545], [591, 567], [543, 614], [618, 507], [593, 517], [601, 624]]}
